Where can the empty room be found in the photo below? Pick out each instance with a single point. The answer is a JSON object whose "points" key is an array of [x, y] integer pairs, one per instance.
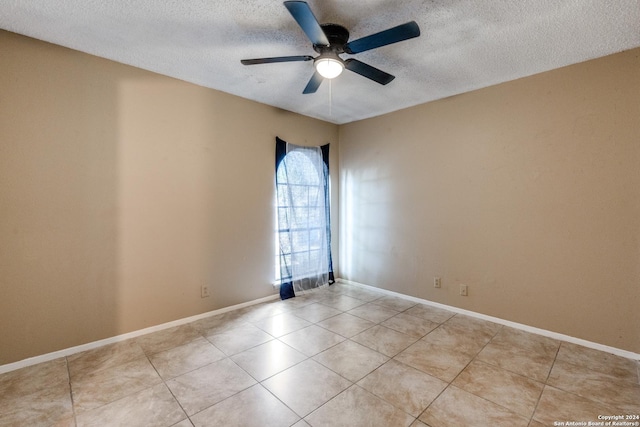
{"points": [[319, 213]]}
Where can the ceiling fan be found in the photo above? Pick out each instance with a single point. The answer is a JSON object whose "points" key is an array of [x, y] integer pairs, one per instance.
{"points": [[331, 40]]}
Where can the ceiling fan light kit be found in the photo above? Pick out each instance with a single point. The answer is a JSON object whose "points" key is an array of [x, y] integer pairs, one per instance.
{"points": [[328, 66], [331, 40]]}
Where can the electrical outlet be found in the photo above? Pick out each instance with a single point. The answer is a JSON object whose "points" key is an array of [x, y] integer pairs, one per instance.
{"points": [[464, 290], [204, 291], [437, 282]]}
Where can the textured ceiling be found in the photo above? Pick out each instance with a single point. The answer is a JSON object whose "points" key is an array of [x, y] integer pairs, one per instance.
{"points": [[465, 44]]}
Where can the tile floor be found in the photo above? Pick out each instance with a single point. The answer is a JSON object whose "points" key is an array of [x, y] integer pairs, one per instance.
{"points": [[338, 356]]}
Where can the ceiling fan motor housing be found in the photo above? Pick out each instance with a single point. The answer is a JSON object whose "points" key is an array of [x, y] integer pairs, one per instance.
{"points": [[337, 35]]}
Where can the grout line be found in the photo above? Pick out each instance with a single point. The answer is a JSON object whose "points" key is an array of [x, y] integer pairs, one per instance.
{"points": [[555, 358], [279, 400], [535, 408], [545, 384], [73, 404], [164, 382]]}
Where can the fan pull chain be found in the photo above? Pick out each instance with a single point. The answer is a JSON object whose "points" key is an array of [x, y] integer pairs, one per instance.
{"points": [[330, 99]]}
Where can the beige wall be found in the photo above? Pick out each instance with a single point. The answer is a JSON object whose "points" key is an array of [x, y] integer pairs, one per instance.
{"points": [[528, 192], [122, 192]]}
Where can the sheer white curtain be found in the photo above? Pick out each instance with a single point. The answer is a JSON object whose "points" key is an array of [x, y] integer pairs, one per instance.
{"points": [[303, 217]]}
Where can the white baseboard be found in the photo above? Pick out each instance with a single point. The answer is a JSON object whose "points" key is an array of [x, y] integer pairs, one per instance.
{"points": [[118, 338], [527, 328]]}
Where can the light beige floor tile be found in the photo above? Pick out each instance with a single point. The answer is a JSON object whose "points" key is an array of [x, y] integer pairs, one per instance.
{"points": [[451, 337], [434, 314], [306, 386], [301, 423], [356, 407], [439, 361], [339, 287], [373, 312], [255, 313], [404, 387], [351, 360], [209, 385], [183, 423], [252, 407], [218, 323], [316, 312], [395, 303], [282, 324], [384, 340], [152, 407], [517, 360], [107, 385], [528, 341], [512, 391], [534, 423], [363, 294], [44, 406], [521, 352], [185, 358], [314, 298], [104, 357], [33, 378], [65, 422], [559, 406], [168, 338], [624, 396], [346, 324], [268, 359], [295, 303], [336, 287], [477, 327], [312, 340], [610, 364], [314, 294], [418, 423], [456, 407], [341, 302], [410, 325], [239, 339]]}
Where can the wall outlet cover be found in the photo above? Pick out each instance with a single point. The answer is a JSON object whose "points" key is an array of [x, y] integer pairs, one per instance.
{"points": [[464, 290], [204, 291]]}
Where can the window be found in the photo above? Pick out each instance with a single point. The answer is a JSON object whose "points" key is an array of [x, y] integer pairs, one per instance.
{"points": [[303, 226]]}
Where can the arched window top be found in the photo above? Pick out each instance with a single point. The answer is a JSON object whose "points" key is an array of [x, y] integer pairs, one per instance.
{"points": [[300, 167]]}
